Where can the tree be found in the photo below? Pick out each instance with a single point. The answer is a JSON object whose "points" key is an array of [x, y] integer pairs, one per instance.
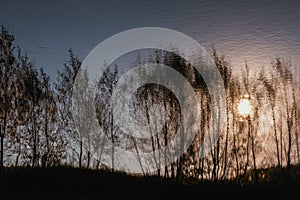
{"points": [[226, 73], [32, 94], [63, 90], [21, 108], [104, 108], [285, 76], [270, 87], [7, 84], [52, 142]]}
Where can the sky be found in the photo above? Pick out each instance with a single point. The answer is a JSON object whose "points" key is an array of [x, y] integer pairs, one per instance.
{"points": [[256, 31]]}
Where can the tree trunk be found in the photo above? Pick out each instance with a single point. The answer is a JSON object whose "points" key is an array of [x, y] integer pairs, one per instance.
{"points": [[80, 155], [47, 139], [97, 164], [34, 149], [253, 149], [181, 152], [159, 161], [294, 117], [113, 142], [226, 142], [1, 154], [166, 175], [88, 159], [276, 137], [138, 156], [19, 152], [235, 148], [289, 126], [172, 171], [289, 145], [247, 152], [281, 140]]}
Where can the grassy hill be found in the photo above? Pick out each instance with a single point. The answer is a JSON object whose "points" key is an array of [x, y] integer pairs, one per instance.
{"points": [[70, 183]]}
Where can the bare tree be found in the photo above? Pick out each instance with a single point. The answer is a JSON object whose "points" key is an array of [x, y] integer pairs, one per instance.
{"points": [[63, 90], [285, 75], [104, 108], [7, 73]]}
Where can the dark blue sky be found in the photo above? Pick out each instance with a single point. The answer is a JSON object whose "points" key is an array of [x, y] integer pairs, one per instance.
{"points": [[254, 30]]}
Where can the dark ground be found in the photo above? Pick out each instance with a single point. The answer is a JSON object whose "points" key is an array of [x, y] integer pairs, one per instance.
{"points": [[69, 183]]}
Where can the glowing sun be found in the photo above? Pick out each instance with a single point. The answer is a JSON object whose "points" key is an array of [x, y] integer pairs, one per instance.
{"points": [[244, 107]]}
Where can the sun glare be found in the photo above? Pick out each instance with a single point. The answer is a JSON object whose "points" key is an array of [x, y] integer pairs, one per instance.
{"points": [[244, 107]]}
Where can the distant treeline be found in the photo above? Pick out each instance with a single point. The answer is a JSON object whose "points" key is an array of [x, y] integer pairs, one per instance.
{"points": [[37, 127]]}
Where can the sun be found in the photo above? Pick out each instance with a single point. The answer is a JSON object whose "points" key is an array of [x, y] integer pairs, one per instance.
{"points": [[244, 107]]}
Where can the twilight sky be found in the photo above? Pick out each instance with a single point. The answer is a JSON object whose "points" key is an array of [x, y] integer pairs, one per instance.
{"points": [[256, 31]]}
